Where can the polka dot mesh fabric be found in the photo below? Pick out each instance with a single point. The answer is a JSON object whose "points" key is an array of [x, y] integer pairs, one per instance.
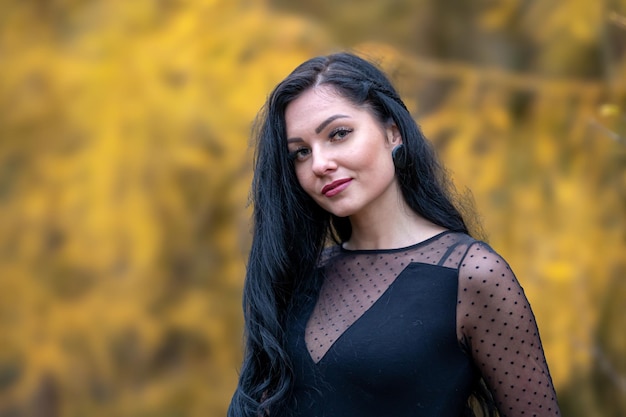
{"points": [[494, 321], [357, 280], [498, 326]]}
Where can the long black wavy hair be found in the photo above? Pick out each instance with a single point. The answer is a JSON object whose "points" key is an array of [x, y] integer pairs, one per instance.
{"points": [[290, 230]]}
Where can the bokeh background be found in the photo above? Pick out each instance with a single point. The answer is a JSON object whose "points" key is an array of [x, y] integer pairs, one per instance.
{"points": [[125, 167]]}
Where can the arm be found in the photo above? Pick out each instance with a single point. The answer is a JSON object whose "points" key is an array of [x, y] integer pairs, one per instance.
{"points": [[496, 322]]}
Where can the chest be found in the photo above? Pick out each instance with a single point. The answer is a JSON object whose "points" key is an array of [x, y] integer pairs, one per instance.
{"points": [[386, 333], [399, 355]]}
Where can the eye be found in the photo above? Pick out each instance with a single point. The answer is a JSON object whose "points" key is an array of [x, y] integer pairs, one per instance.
{"points": [[340, 133], [299, 154]]}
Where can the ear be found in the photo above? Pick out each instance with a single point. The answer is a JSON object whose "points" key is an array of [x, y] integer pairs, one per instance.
{"points": [[393, 134]]}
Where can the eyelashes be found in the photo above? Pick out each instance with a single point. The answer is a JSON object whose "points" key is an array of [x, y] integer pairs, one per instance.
{"points": [[299, 154], [336, 135], [340, 133]]}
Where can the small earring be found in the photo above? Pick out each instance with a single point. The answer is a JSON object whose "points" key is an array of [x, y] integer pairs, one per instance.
{"points": [[398, 154]]}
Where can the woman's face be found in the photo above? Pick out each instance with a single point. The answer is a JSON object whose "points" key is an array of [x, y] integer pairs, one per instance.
{"points": [[341, 153]]}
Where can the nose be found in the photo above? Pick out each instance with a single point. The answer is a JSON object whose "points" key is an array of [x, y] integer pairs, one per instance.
{"points": [[323, 162]]}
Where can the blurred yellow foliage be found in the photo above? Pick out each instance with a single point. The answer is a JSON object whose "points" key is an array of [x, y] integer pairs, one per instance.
{"points": [[125, 168]]}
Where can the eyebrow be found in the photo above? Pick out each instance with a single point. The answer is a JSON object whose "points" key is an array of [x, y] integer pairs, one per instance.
{"points": [[327, 121], [320, 127]]}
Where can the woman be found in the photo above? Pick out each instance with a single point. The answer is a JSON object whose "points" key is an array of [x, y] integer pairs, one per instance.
{"points": [[403, 314]]}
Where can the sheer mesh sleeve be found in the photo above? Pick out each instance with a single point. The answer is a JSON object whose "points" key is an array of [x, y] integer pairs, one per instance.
{"points": [[496, 322]]}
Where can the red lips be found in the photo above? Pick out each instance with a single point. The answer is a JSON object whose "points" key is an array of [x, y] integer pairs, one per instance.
{"points": [[336, 187]]}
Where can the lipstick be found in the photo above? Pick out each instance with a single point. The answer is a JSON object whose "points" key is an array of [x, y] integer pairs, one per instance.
{"points": [[336, 187]]}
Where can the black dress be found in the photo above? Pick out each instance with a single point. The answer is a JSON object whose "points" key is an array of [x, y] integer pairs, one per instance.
{"points": [[409, 332]]}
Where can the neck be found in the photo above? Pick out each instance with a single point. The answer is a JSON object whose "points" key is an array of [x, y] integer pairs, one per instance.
{"points": [[392, 226]]}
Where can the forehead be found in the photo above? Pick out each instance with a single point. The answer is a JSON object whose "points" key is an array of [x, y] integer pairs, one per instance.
{"points": [[317, 104], [321, 94]]}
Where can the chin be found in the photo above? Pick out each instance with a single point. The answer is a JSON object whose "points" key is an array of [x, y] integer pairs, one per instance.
{"points": [[339, 208], [341, 212]]}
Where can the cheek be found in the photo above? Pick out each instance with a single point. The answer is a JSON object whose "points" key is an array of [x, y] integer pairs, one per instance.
{"points": [[378, 160], [304, 177]]}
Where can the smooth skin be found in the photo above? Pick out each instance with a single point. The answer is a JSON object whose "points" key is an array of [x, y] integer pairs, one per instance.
{"points": [[342, 159]]}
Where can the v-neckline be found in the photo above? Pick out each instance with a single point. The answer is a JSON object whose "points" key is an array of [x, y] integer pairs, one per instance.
{"points": [[355, 282], [342, 335]]}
